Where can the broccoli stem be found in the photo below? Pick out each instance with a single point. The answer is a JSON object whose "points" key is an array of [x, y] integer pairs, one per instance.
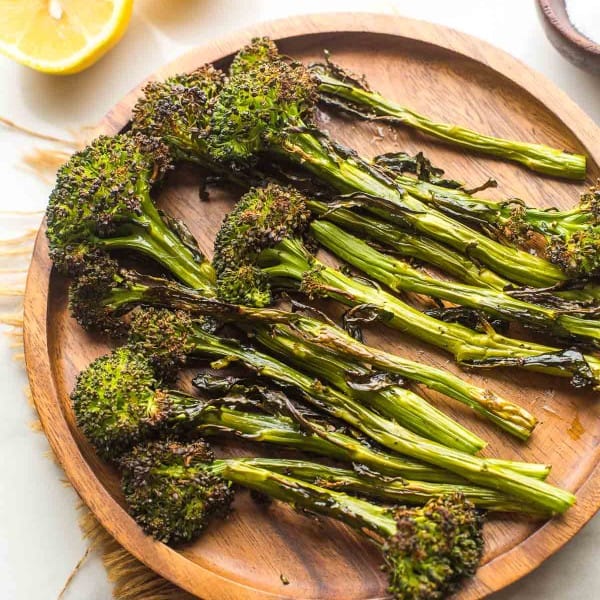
{"points": [[277, 429], [450, 261], [216, 419], [507, 415], [373, 485], [289, 264], [481, 471], [211, 420], [400, 276], [570, 238], [372, 105], [139, 289], [349, 174], [411, 245], [154, 239], [497, 213], [395, 402], [357, 513]]}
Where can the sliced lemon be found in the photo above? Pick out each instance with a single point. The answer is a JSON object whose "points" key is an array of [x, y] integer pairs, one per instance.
{"points": [[61, 36]]}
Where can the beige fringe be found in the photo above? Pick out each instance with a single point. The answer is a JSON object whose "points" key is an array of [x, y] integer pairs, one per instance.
{"points": [[36, 426], [40, 136], [12, 320], [73, 573], [131, 579], [44, 162], [18, 246], [20, 213], [24, 238], [15, 252], [11, 291]]}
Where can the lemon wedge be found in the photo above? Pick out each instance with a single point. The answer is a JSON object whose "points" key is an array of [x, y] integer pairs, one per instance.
{"points": [[61, 36]]}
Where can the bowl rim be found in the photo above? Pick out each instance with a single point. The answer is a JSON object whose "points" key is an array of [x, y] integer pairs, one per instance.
{"points": [[566, 28]]}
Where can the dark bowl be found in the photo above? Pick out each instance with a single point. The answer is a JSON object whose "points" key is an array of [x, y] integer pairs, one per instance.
{"points": [[572, 44]]}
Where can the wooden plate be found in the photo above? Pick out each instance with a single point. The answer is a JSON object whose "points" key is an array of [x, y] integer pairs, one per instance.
{"points": [[444, 74]]}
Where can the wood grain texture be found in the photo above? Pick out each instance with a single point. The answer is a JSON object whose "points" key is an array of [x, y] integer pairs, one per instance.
{"points": [[566, 38], [441, 73]]}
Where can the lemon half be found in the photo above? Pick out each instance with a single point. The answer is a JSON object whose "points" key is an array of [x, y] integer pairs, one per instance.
{"points": [[61, 36]]}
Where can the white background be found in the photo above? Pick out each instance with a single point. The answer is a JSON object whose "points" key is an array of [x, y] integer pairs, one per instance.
{"points": [[39, 538]]}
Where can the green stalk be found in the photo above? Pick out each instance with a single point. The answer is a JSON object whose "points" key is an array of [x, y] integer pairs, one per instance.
{"points": [[136, 289], [351, 175], [192, 273], [395, 402], [357, 513], [451, 262], [481, 471], [401, 277], [570, 238], [500, 214], [411, 245], [395, 490], [217, 419], [507, 415], [151, 237], [289, 264], [372, 105]]}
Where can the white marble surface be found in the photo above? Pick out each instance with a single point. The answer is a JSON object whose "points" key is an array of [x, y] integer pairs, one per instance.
{"points": [[39, 539]]}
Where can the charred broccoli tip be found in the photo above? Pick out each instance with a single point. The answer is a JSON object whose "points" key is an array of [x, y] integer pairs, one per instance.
{"points": [[260, 50], [171, 491], [163, 336], [177, 110], [90, 299], [577, 254], [99, 191], [264, 97], [262, 218], [116, 401], [434, 548]]}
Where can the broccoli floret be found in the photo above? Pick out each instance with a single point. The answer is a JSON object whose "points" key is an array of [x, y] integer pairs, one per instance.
{"points": [[262, 219], [99, 192], [587, 241], [97, 294], [103, 292], [261, 101], [575, 249], [433, 548], [589, 204], [578, 253], [101, 202], [260, 50], [171, 491], [164, 337], [117, 401], [177, 110]]}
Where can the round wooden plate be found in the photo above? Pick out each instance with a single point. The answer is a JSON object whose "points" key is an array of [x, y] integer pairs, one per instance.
{"points": [[269, 551]]}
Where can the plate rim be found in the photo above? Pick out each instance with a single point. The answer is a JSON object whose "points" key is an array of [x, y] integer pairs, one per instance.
{"points": [[499, 572]]}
